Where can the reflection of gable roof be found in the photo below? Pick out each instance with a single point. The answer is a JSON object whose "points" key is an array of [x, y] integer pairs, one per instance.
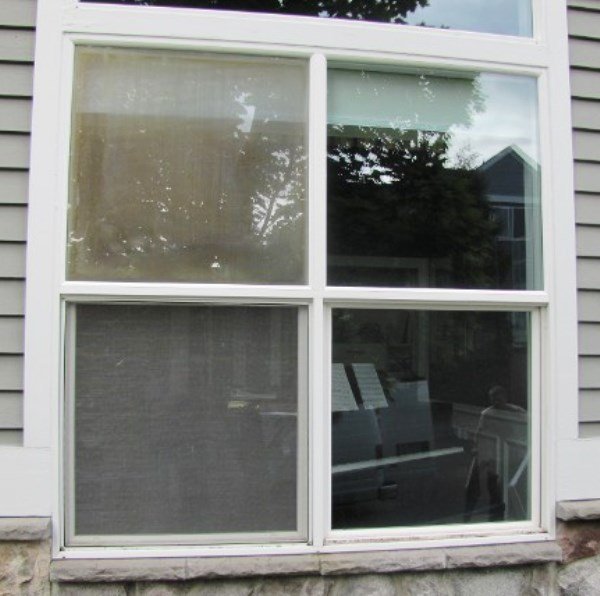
{"points": [[513, 151], [509, 176]]}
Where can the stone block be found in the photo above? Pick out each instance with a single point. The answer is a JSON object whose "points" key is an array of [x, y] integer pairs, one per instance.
{"points": [[580, 578], [118, 570], [578, 539], [223, 567], [24, 568], [365, 585], [24, 528], [89, 590], [583, 510], [294, 586], [487, 582], [424, 584], [382, 562], [502, 555]]}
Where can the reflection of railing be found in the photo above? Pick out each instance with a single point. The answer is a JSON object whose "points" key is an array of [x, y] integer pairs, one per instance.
{"points": [[512, 495], [502, 445], [398, 459]]}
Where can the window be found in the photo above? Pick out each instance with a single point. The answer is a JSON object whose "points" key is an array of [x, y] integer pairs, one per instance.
{"points": [[304, 296], [508, 17]]}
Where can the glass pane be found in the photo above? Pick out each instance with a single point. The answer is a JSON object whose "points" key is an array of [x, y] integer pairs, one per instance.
{"points": [[433, 181], [186, 420], [508, 17], [430, 418], [187, 167]]}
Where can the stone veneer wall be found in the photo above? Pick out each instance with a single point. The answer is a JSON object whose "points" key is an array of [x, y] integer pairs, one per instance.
{"points": [[26, 569], [498, 582], [25, 552]]}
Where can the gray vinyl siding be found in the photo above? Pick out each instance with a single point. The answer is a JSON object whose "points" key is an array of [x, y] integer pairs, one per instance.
{"points": [[17, 38], [584, 31]]}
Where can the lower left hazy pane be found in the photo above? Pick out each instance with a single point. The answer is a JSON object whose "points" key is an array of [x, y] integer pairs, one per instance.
{"points": [[185, 419]]}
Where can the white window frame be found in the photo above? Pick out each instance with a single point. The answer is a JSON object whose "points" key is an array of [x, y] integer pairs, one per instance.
{"points": [[62, 24]]}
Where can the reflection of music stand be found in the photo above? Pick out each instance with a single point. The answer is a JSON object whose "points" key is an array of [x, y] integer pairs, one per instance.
{"points": [[355, 440], [369, 386], [342, 397]]}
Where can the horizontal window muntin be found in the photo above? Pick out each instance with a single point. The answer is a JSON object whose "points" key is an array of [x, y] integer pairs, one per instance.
{"points": [[258, 406], [498, 17], [460, 298]]}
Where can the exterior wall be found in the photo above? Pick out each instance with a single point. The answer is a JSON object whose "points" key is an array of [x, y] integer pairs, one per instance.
{"points": [[584, 30], [24, 564], [17, 18]]}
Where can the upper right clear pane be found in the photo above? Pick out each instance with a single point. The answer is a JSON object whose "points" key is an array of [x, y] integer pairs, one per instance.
{"points": [[505, 17], [433, 181]]}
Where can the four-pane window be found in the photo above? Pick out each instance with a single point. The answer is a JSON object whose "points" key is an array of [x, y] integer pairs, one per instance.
{"points": [[250, 219]]}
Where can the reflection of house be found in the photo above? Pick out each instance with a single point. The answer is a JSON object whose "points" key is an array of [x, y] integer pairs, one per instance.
{"points": [[411, 250], [512, 188]]}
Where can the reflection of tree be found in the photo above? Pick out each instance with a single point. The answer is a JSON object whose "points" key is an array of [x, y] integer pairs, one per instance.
{"points": [[388, 11], [471, 352], [215, 194], [392, 194], [270, 163]]}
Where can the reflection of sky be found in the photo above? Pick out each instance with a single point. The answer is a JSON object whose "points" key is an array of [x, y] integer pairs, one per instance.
{"points": [[509, 117], [508, 17], [506, 104]]}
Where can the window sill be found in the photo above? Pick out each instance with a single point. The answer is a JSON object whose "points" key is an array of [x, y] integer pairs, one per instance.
{"points": [[165, 569]]}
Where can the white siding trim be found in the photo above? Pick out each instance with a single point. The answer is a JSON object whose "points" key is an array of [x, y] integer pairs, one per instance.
{"points": [[27, 472]]}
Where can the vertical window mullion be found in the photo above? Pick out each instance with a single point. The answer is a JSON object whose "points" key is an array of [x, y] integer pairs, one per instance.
{"points": [[317, 167], [317, 217]]}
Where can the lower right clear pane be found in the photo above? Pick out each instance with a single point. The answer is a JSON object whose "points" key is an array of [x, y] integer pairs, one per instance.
{"points": [[431, 418]]}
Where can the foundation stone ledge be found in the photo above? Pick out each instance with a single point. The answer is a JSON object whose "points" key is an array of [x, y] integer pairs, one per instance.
{"points": [[578, 510], [24, 529], [174, 569]]}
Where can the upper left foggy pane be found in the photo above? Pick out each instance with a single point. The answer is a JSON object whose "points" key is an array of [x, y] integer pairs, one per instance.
{"points": [[187, 167]]}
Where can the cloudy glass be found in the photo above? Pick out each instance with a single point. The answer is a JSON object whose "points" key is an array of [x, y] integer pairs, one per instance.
{"points": [[433, 180], [506, 17], [187, 167]]}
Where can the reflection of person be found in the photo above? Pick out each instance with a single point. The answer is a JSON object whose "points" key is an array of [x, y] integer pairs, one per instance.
{"points": [[494, 429]]}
